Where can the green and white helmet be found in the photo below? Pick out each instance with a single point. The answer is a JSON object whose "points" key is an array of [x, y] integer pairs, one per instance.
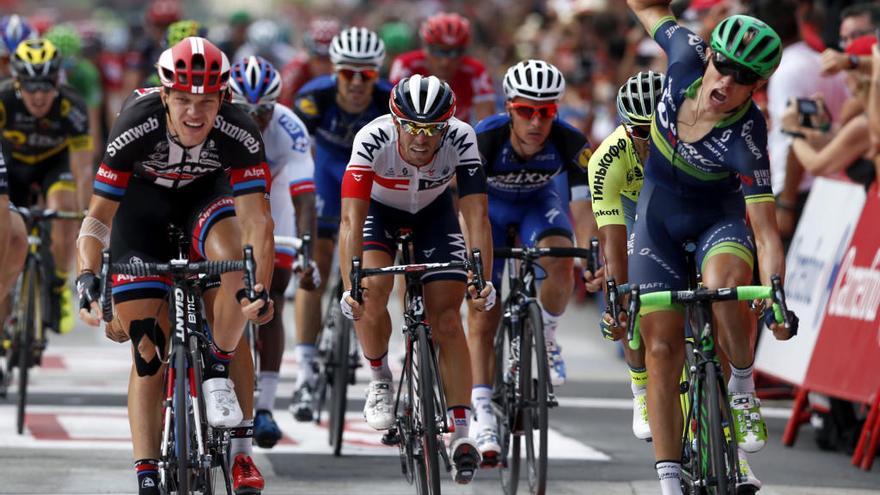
{"points": [[749, 42]]}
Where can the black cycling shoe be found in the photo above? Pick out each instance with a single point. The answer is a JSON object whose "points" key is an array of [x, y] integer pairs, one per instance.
{"points": [[301, 405]]}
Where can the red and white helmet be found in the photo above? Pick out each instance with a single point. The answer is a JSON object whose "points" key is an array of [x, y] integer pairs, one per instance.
{"points": [[194, 65], [446, 29]]}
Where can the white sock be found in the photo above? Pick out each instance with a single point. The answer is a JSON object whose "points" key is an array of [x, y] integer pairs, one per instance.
{"points": [[551, 321], [379, 367], [242, 444], [742, 380], [669, 473], [305, 356], [460, 418], [267, 382], [481, 399]]}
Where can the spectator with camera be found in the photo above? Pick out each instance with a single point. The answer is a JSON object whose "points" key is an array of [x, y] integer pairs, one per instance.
{"points": [[793, 79], [849, 149]]}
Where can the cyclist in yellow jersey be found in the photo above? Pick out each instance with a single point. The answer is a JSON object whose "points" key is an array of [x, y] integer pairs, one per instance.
{"points": [[616, 176], [47, 127]]}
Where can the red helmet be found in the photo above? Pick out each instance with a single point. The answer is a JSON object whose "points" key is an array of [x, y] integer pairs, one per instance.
{"points": [[163, 12], [194, 65], [444, 29]]}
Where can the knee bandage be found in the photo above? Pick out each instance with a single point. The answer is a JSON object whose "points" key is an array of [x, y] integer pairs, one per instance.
{"points": [[149, 328]]}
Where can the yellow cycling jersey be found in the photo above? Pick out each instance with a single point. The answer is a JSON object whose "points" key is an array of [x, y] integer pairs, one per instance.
{"points": [[614, 171]]}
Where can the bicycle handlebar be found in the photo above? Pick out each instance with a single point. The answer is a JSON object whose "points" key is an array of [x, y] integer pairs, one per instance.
{"points": [[176, 269], [475, 265], [541, 252], [741, 293], [37, 213]]}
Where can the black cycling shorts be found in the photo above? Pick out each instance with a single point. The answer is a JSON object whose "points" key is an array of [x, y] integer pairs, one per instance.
{"points": [[141, 228], [28, 182], [436, 237]]}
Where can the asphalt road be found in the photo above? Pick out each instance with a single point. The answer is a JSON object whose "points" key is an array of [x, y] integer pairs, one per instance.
{"points": [[77, 438]]}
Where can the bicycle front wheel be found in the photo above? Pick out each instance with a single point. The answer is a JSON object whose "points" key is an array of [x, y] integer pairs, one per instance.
{"points": [[181, 417], [28, 319], [509, 419], [339, 387], [721, 456], [426, 411], [536, 407]]}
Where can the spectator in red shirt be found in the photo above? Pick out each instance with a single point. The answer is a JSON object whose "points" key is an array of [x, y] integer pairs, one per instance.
{"points": [[308, 65], [445, 37]]}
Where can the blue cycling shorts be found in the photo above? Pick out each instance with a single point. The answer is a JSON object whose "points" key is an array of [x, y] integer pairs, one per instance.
{"points": [[542, 214]]}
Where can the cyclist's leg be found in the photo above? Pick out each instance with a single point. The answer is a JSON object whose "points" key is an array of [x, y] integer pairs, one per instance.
{"points": [[271, 351], [635, 358], [308, 314], [656, 262], [60, 194], [547, 225], [726, 259], [16, 251]]}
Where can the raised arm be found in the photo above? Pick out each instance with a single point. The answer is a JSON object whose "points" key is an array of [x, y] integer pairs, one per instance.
{"points": [[649, 12]]}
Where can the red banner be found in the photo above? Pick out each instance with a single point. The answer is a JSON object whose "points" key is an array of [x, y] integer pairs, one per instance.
{"points": [[846, 359]]}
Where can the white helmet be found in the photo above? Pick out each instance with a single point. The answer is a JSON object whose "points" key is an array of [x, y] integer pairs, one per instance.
{"points": [[535, 80], [263, 33], [357, 45], [638, 97]]}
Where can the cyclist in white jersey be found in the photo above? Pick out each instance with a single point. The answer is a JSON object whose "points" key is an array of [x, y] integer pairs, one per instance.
{"points": [[255, 86], [398, 177]]}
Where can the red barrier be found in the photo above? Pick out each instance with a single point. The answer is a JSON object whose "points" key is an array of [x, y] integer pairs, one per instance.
{"points": [[846, 359]]}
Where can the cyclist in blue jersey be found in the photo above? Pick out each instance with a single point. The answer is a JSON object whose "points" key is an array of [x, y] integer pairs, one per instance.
{"points": [[334, 108], [707, 168], [523, 150]]}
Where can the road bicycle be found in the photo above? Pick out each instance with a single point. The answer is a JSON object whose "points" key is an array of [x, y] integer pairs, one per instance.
{"points": [[420, 404], [24, 335], [191, 451], [522, 392], [710, 460]]}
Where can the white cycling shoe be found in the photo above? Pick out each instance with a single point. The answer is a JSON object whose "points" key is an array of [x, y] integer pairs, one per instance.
{"points": [[379, 407], [221, 405], [641, 428], [752, 484]]}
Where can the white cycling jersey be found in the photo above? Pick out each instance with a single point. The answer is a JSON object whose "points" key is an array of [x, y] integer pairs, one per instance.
{"points": [[288, 152], [377, 171]]}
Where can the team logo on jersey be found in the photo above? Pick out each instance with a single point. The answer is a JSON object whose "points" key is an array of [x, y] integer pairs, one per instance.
{"points": [[459, 141], [131, 135], [296, 133], [583, 158], [237, 133], [368, 149], [307, 106]]}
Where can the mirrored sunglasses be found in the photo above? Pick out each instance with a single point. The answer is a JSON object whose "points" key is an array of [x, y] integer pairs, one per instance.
{"points": [[36, 85], [527, 111], [428, 129], [348, 73], [257, 110], [638, 131]]}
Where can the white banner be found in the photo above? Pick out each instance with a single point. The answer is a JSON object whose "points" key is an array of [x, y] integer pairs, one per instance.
{"points": [[821, 239]]}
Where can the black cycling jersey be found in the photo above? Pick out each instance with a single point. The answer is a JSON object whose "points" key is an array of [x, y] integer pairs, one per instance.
{"points": [[140, 144], [34, 140]]}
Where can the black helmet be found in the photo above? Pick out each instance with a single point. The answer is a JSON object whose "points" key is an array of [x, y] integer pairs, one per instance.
{"points": [[422, 99]]}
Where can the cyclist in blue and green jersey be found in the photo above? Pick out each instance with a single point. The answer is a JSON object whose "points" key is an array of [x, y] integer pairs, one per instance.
{"points": [[707, 168], [616, 176]]}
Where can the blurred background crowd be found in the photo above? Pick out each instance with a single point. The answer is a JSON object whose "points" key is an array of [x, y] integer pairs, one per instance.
{"points": [[821, 93]]}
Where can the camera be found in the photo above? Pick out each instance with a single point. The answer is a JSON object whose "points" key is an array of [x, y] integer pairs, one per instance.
{"points": [[807, 108]]}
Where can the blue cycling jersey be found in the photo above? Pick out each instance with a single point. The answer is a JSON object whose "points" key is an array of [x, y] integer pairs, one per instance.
{"points": [[333, 131], [511, 178], [731, 158]]}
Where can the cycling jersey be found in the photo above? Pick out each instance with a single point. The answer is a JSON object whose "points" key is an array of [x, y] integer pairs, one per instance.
{"points": [[471, 82], [85, 78], [616, 176], [377, 171], [694, 191], [525, 193], [333, 131], [294, 75], [288, 151], [512, 179], [139, 144], [35, 140], [731, 158]]}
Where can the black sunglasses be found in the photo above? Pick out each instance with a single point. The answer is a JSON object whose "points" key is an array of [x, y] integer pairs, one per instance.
{"points": [[445, 52], [741, 74], [35, 85]]}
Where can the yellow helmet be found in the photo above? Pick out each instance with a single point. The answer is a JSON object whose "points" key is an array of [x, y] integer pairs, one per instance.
{"points": [[36, 59]]}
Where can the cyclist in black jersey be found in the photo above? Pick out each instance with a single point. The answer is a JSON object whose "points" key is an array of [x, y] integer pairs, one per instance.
{"points": [[178, 155], [46, 127]]}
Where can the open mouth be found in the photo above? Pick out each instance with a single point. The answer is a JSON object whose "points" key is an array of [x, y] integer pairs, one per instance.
{"points": [[718, 97], [193, 125]]}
